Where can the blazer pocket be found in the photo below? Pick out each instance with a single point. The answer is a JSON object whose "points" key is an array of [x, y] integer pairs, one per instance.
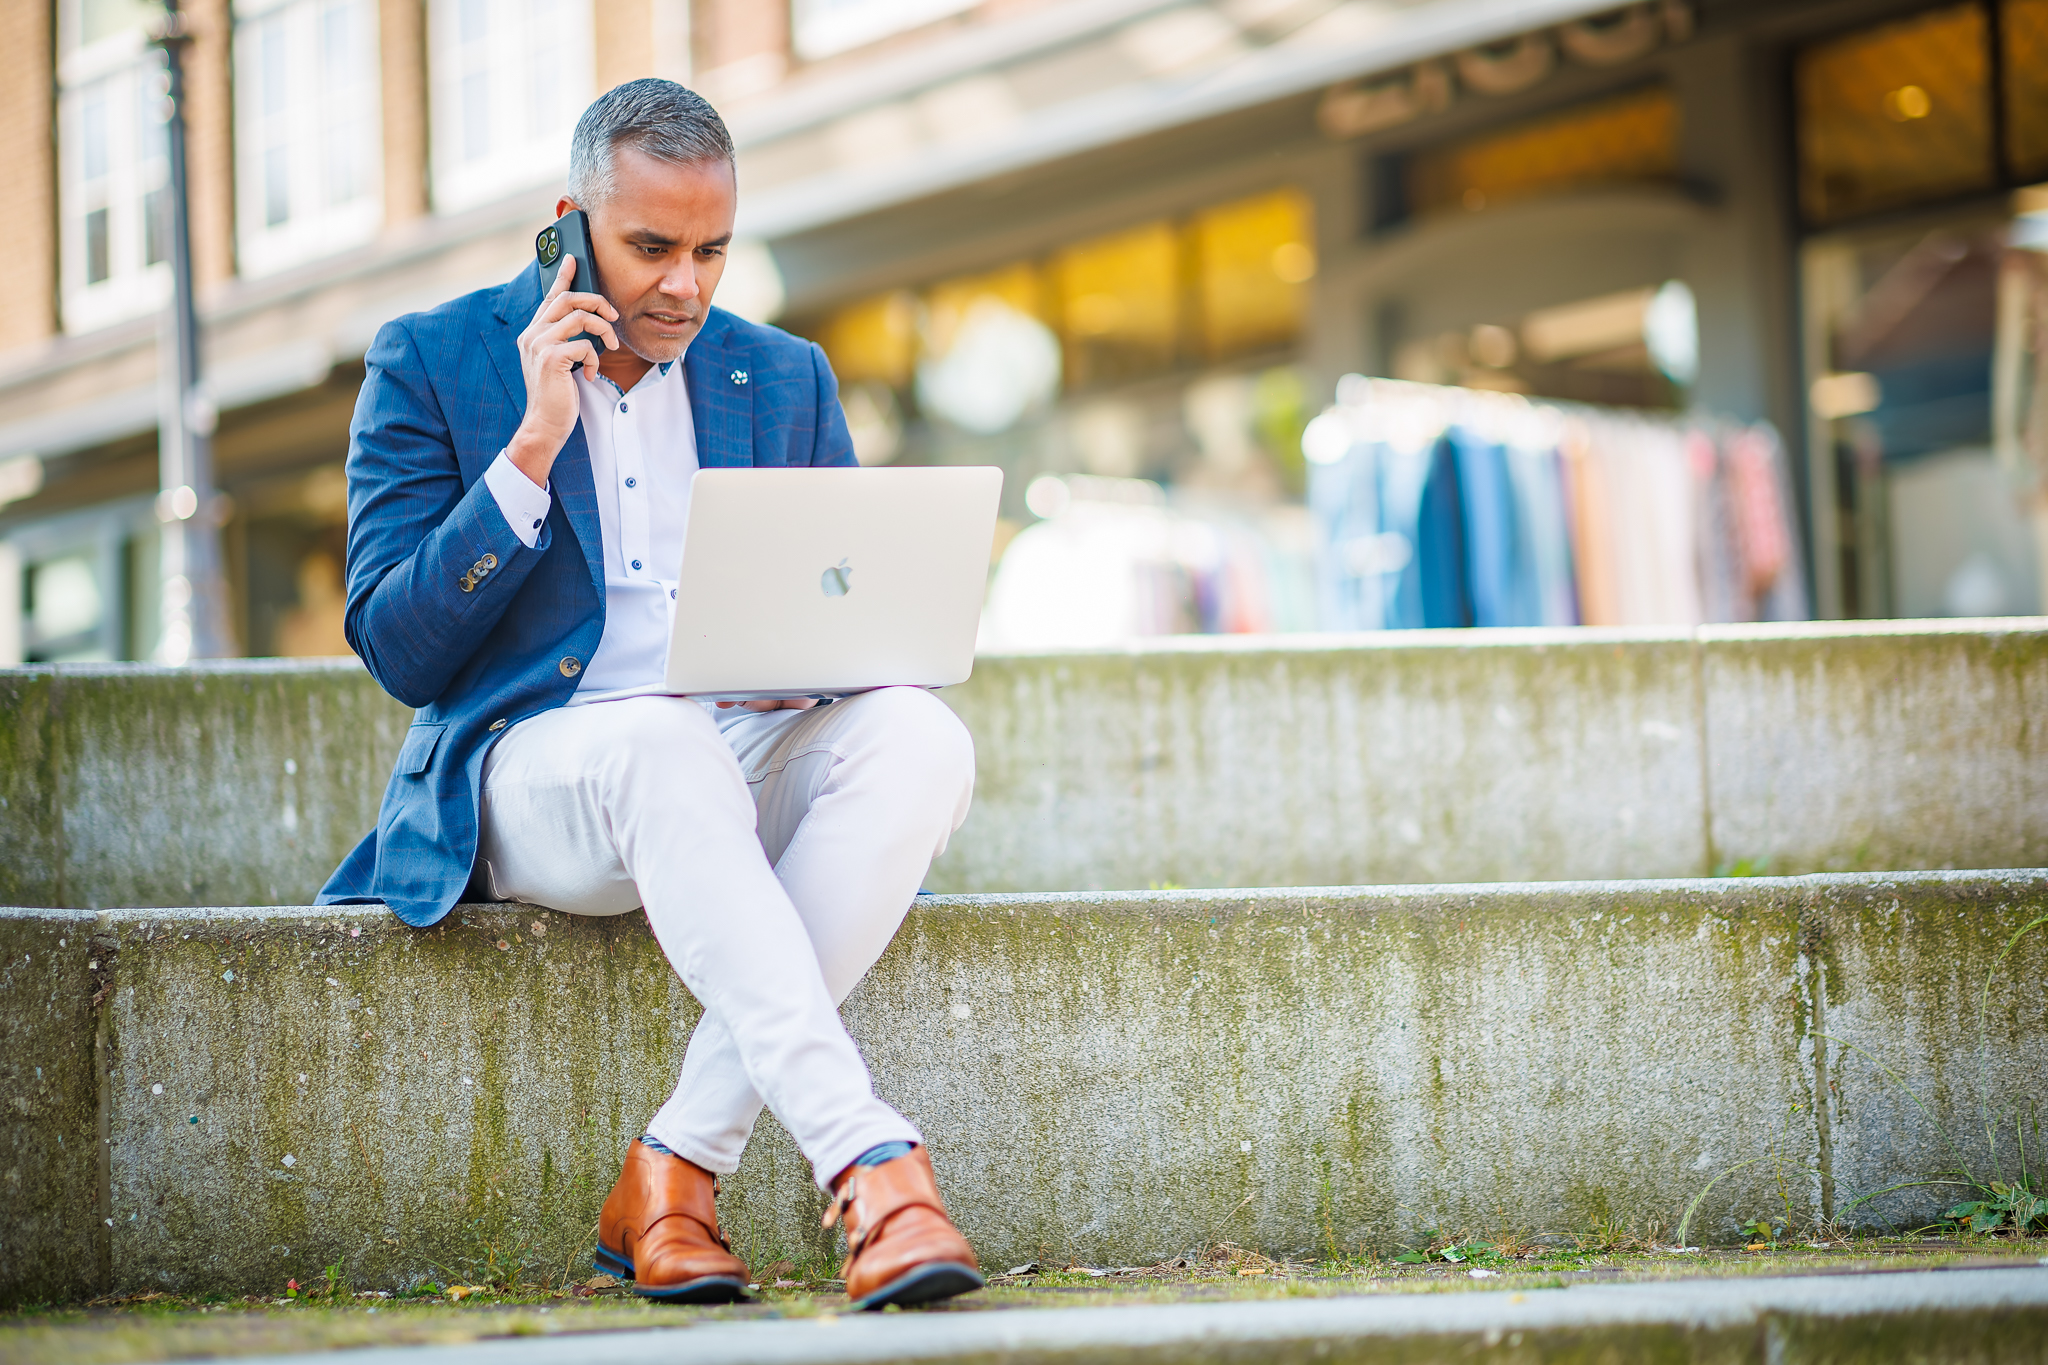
{"points": [[418, 750]]}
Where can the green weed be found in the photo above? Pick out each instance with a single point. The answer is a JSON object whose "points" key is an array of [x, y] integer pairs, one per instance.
{"points": [[1999, 1205]]}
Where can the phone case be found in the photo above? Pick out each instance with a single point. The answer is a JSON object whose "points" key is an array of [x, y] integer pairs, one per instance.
{"points": [[569, 235]]}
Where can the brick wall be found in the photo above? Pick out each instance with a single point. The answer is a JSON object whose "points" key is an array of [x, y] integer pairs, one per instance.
{"points": [[28, 166], [739, 47], [624, 41], [402, 57], [210, 142]]}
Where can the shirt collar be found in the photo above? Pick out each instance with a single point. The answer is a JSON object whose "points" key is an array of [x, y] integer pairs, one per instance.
{"points": [[661, 374]]}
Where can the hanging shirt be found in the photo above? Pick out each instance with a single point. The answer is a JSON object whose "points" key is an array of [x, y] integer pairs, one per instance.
{"points": [[643, 451]]}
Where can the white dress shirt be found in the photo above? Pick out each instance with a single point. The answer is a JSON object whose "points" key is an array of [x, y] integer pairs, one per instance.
{"points": [[643, 450]]}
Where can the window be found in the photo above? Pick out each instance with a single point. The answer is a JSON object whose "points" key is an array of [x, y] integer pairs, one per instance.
{"points": [[1118, 302], [510, 78], [81, 586], [824, 27], [1225, 283], [1629, 138], [2026, 87], [308, 150], [1896, 114], [112, 167], [1252, 259]]}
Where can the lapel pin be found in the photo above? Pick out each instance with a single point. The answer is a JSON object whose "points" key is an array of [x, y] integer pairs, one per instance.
{"points": [[739, 376]]}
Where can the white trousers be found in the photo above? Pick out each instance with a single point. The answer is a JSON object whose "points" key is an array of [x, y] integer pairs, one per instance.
{"points": [[775, 860]]}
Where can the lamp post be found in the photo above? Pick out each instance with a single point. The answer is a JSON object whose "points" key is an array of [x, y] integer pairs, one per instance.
{"points": [[194, 605]]}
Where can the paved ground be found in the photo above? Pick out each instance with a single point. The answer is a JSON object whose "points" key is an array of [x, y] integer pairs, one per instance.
{"points": [[1983, 1301]]}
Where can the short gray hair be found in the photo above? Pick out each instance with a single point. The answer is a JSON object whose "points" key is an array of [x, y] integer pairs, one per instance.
{"points": [[657, 117]]}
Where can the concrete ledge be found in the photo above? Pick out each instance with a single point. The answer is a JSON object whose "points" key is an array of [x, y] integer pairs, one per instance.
{"points": [[1407, 757], [1958, 1315], [1113, 1078]]}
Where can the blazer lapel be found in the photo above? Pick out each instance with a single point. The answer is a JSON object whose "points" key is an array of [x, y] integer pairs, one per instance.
{"points": [[574, 486], [721, 386]]}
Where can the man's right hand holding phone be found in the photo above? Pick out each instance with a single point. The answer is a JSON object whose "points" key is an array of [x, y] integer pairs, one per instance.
{"points": [[550, 349]]}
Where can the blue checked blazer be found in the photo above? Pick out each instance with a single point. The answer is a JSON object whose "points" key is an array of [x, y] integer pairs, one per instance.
{"points": [[452, 613]]}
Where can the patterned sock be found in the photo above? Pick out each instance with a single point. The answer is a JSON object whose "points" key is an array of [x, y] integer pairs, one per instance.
{"points": [[881, 1152], [650, 1140]]}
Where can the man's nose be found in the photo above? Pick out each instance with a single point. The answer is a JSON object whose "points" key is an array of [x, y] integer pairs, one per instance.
{"points": [[681, 282]]}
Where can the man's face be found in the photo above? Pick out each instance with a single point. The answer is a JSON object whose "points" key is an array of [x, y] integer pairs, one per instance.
{"points": [[659, 243]]}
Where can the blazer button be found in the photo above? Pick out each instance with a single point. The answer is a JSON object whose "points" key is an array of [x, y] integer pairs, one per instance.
{"points": [[570, 666], [498, 724], [489, 561]]}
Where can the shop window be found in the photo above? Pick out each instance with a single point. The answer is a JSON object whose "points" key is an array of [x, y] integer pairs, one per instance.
{"points": [[1020, 287], [308, 146], [987, 355], [1131, 305], [2025, 38], [1895, 115], [1117, 300], [509, 79], [1252, 261], [873, 341], [1629, 138], [112, 163]]}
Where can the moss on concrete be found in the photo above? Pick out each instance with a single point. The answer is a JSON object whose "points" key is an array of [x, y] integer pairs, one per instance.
{"points": [[50, 1247], [235, 783], [1414, 757], [1113, 1079]]}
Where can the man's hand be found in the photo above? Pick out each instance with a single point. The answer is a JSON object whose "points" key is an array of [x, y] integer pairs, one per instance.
{"points": [[771, 704], [550, 358]]}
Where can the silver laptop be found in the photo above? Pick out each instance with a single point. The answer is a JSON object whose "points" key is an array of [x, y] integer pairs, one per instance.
{"points": [[825, 582]]}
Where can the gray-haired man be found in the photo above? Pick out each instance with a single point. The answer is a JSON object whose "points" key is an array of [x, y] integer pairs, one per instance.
{"points": [[775, 847]]}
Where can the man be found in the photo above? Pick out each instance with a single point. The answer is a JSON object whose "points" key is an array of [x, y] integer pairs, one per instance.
{"points": [[517, 500]]}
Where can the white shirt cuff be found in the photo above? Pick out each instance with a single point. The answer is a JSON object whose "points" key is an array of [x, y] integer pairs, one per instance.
{"points": [[525, 506]]}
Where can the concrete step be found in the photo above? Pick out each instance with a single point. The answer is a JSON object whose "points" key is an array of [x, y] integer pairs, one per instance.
{"points": [[225, 1098], [1408, 757], [1983, 1317]]}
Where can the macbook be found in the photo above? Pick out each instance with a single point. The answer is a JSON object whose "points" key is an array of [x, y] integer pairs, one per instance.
{"points": [[825, 582]]}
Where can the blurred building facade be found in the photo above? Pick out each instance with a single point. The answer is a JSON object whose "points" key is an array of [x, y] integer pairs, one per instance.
{"points": [[1115, 240]]}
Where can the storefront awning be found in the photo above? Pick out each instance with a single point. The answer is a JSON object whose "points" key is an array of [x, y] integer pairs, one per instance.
{"points": [[812, 158]]}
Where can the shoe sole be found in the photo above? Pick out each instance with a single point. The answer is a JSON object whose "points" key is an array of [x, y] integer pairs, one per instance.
{"points": [[709, 1289], [925, 1284]]}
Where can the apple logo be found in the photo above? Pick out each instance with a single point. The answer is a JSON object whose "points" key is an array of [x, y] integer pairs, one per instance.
{"points": [[837, 581]]}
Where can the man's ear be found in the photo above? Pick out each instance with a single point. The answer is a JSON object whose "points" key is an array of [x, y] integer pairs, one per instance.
{"points": [[564, 204]]}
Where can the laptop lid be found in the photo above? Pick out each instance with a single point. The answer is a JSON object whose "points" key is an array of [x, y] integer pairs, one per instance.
{"points": [[800, 582]]}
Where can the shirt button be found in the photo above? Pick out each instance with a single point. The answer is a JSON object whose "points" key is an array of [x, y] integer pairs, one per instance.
{"points": [[498, 724], [570, 666], [636, 564], [632, 483], [622, 407]]}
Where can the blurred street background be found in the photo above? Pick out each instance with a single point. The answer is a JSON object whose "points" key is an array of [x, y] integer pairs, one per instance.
{"points": [[1280, 315]]}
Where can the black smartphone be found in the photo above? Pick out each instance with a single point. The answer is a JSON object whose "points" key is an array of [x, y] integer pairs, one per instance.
{"points": [[569, 235]]}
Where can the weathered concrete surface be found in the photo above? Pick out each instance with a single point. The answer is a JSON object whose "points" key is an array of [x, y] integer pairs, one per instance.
{"points": [[1407, 757], [240, 783], [1973, 1316], [1421, 756], [50, 1247], [1854, 746], [1109, 1078]]}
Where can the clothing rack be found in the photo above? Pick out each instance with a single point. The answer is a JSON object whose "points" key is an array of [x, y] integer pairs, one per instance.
{"points": [[1441, 507]]}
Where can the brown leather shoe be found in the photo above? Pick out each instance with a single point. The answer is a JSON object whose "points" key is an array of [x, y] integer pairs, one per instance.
{"points": [[659, 1229], [901, 1247]]}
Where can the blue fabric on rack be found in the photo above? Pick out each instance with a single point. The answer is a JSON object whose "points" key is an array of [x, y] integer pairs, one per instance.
{"points": [[1492, 539], [1439, 565]]}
